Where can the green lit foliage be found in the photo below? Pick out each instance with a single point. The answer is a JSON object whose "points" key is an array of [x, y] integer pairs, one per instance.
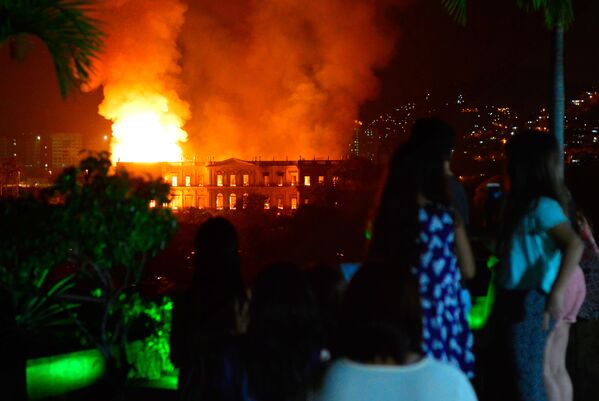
{"points": [[149, 358], [99, 222], [32, 244], [457, 9], [112, 232], [64, 26]]}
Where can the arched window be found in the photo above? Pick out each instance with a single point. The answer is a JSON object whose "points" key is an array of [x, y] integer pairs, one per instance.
{"points": [[245, 200], [219, 201], [232, 201]]}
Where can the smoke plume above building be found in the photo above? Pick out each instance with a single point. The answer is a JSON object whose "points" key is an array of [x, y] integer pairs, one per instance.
{"points": [[281, 78], [139, 73], [267, 78]]}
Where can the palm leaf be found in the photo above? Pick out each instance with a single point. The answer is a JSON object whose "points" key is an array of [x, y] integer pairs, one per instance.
{"points": [[457, 9], [39, 309], [556, 12], [72, 37], [51, 315]]}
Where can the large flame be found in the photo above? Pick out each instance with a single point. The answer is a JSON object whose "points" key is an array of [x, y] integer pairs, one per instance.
{"points": [[147, 131], [264, 78], [139, 72]]}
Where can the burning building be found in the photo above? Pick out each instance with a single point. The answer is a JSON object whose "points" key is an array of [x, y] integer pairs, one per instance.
{"points": [[231, 184]]}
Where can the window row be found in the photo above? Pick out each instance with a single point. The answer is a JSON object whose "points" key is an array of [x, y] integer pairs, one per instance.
{"points": [[279, 203], [245, 180], [175, 180], [267, 182]]}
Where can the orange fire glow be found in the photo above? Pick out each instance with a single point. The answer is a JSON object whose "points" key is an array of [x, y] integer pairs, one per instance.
{"points": [[146, 131], [139, 73], [262, 78]]}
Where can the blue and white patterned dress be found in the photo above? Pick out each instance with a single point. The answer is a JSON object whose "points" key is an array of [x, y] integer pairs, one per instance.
{"points": [[446, 335]]}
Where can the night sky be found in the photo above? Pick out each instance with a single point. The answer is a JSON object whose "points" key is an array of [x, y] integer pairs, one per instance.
{"points": [[501, 56]]}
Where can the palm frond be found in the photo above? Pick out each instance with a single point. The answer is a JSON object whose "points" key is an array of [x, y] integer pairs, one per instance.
{"points": [[72, 37], [556, 12], [42, 306], [457, 9]]}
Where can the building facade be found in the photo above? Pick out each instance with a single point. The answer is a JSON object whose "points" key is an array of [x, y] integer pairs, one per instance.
{"points": [[66, 149], [234, 184]]}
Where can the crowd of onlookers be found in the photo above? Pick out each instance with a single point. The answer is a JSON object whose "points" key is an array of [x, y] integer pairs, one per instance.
{"points": [[397, 328]]}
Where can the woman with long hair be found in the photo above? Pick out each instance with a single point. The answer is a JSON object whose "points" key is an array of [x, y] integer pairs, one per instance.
{"points": [[379, 344], [417, 228], [539, 250], [209, 316], [282, 350], [278, 358]]}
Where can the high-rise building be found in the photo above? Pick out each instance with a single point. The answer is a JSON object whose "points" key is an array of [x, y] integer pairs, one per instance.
{"points": [[30, 151], [66, 149]]}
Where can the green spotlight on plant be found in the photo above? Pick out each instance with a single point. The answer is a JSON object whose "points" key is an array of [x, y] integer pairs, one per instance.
{"points": [[59, 374]]}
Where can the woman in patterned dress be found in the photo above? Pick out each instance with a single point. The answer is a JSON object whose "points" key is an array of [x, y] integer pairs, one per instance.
{"points": [[416, 226]]}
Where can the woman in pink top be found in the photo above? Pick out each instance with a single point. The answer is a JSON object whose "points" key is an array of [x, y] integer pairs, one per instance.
{"points": [[558, 384]]}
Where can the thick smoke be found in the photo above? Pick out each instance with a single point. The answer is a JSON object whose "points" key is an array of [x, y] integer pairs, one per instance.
{"points": [[280, 77], [139, 66]]}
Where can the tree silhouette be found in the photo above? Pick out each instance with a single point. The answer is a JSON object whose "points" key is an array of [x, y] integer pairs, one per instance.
{"points": [[66, 29]]}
